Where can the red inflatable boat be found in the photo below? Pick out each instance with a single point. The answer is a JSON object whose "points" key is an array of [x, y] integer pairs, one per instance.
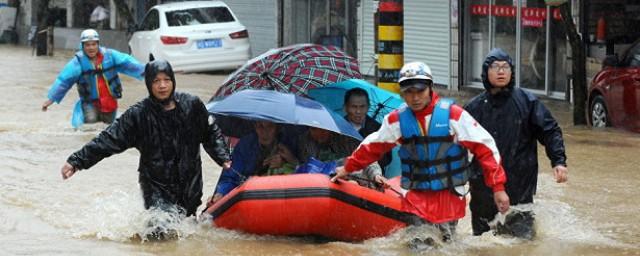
{"points": [[310, 204]]}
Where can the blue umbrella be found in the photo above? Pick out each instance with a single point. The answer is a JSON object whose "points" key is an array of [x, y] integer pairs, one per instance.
{"points": [[381, 101], [233, 112]]}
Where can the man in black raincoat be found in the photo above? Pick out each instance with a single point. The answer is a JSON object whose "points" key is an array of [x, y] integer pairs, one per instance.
{"points": [[516, 119], [167, 128]]}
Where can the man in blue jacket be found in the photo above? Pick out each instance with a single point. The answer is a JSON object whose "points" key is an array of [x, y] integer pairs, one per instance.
{"points": [[516, 119], [95, 69], [258, 153]]}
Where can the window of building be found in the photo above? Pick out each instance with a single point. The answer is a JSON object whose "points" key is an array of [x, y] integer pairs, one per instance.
{"points": [[533, 45], [325, 22], [91, 14]]}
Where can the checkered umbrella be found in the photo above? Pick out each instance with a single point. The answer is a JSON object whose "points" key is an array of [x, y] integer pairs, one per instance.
{"points": [[292, 69]]}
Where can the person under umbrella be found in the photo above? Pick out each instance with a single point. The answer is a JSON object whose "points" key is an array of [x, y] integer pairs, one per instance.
{"points": [[364, 105], [356, 105], [235, 114], [266, 151], [292, 113], [325, 146], [381, 102]]}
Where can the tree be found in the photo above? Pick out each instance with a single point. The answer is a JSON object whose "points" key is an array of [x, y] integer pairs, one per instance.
{"points": [[43, 41], [43, 14], [578, 68], [124, 11]]}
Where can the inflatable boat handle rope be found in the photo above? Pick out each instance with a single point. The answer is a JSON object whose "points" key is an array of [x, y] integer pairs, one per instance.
{"points": [[374, 182]]}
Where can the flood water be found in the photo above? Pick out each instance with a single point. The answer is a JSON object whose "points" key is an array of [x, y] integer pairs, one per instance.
{"points": [[99, 211]]}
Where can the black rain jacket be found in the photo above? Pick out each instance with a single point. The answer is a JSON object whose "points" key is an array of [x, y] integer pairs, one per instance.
{"points": [[170, 168], [516, 119]]}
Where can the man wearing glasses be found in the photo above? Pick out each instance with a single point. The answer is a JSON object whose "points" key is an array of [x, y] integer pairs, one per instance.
{"points": [[516, 119]]}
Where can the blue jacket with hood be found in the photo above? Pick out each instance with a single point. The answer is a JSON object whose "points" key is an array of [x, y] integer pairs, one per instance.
{"points": [[516, 119], [73, 71]]}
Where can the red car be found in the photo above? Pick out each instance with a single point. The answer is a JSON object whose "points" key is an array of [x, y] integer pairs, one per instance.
{"points": [[614, 94]]}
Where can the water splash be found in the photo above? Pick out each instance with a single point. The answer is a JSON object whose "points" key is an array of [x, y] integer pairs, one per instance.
{"points": [[120, 216]]}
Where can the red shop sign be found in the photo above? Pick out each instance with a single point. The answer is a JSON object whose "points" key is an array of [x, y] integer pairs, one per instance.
{"points": [[528, 13]]}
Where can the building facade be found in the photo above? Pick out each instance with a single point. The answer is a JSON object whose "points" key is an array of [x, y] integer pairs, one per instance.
{"points": [[429, 35], [535, 37], [529, 31], [451, 36]]}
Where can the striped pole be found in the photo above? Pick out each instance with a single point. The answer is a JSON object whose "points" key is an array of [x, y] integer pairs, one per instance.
{"points": [[390, 45]]}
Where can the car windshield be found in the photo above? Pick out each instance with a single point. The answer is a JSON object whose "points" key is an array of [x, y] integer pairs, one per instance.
{"points": [[198, 16]]}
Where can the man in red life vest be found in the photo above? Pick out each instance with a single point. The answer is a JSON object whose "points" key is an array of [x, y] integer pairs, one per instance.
{"points": [[434, 135]]}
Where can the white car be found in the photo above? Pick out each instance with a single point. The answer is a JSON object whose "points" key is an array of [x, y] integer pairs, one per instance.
{"points": [[193, 36]]}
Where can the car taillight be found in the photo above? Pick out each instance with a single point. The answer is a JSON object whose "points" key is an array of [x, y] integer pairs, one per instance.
{"points": [[239, 34], [173, 39]]}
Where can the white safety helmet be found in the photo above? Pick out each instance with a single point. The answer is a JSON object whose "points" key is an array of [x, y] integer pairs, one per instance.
{"points": [[415, 70], [89, 35]]}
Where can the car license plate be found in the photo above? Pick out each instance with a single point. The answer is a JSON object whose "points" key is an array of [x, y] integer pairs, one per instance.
{"points": [[209, 43]]}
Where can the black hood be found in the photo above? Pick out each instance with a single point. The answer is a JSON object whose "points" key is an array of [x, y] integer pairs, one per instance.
{"points": [[151, 70], [501, 55]]}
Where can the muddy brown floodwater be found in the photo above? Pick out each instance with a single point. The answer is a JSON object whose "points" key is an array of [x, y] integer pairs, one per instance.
{"points": [[99, 210]]}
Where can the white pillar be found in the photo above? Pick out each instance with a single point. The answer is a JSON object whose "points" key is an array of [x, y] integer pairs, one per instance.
{"points": [[112, 14], [69, 13]]}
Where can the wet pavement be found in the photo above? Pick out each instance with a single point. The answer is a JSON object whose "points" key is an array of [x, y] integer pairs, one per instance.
{"points": [[100, 210]]}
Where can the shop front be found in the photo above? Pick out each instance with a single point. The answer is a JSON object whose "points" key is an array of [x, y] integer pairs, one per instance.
{"points": [[530, 31]]}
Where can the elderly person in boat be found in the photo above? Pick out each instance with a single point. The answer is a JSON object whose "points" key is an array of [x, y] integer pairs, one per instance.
{"points": [[263, 152], [327, 146]]}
